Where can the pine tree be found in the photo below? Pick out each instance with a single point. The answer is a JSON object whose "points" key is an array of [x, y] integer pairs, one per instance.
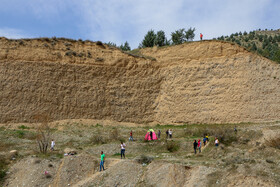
{"points": [[160, 39], [178, 37], [189, 34], [125, 47], [149, 39]]}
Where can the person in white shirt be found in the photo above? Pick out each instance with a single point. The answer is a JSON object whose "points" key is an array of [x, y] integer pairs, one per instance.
{"points": [[216, 142], [122, 150], [52, 145]]}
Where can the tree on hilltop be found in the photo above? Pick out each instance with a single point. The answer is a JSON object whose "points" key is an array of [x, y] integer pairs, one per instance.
{"points": [[178, 37], [160, 39], [189, 34], [125, 47], [149, 39]]}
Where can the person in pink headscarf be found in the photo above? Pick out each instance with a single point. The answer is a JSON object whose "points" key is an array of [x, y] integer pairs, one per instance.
{"points": [[199, 145]]}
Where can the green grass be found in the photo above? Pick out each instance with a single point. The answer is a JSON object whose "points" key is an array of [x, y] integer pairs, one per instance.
{"points": [[23, 127]]}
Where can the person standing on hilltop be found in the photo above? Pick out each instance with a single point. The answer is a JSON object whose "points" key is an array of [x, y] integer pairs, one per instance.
{"points": [[201, 36], [130, 137], [122, 150], [167, 133], [194, 146], [102, 161]]}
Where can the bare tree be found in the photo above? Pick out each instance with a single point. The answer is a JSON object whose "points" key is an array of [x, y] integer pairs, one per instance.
{"points": [[43, 132]]}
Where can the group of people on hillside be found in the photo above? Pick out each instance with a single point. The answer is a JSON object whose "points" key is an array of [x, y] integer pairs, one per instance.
{"points": [[197, 144], [169, 133]]}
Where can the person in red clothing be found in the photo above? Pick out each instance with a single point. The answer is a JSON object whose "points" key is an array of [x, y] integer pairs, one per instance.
{"points": [[130, 137], [199, 145], [201, 36]]}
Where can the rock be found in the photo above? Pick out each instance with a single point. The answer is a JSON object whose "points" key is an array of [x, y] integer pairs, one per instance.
{"points": [[70, 151], [13, 154], [269, 161]]}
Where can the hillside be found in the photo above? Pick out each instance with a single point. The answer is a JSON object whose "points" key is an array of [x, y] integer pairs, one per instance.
{"points": [[263, 42], [199, 82]]}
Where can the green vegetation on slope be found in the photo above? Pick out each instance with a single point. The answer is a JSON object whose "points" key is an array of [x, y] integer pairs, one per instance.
{"points": [[265, 43]]}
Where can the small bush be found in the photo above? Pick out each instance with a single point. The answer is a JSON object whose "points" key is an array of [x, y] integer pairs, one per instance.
{"points": [[100, 44], [274, 142], [3, 168], [114, 135], [98, 59], [143, 159], [20, 133], [172, 146], [48, 176], [98, 139], [89, 55], [23, 127]]}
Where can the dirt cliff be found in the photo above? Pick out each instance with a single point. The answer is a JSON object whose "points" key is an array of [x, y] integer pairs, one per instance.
{"points": [[199, 82]]}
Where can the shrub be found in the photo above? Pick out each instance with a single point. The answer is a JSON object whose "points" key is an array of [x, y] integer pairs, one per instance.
{"points": [[114, 135], [98, 59], [100, 44], [143, 159], [20, 133], [98, 139], [43, 133], [3, 167], [172, 146], [23, 127], [274, 142]]}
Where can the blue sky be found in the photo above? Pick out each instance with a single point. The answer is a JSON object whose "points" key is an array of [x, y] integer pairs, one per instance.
{"points": [[129, 20]]}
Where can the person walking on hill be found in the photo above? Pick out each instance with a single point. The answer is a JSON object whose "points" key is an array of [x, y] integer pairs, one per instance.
{"points": [[130, 137], [201, 36], [170, 133], [102, 161], [159, 134], [199, 146], [52, 145], [194, 146], [204, 140], [122, 150], [216, 142], [167, 133]]}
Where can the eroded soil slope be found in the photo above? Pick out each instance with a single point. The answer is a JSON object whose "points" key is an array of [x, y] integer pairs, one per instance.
{"points": [[200, 82]]}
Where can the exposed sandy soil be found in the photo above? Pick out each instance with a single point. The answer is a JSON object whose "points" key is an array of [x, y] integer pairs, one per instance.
{"points": [[199, 82]]}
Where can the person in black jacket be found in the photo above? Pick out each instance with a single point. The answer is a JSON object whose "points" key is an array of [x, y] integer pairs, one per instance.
{"points": [[195, 146]]}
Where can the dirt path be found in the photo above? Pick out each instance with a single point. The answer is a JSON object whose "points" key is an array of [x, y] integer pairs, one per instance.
{"points": [[57, 176]]}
